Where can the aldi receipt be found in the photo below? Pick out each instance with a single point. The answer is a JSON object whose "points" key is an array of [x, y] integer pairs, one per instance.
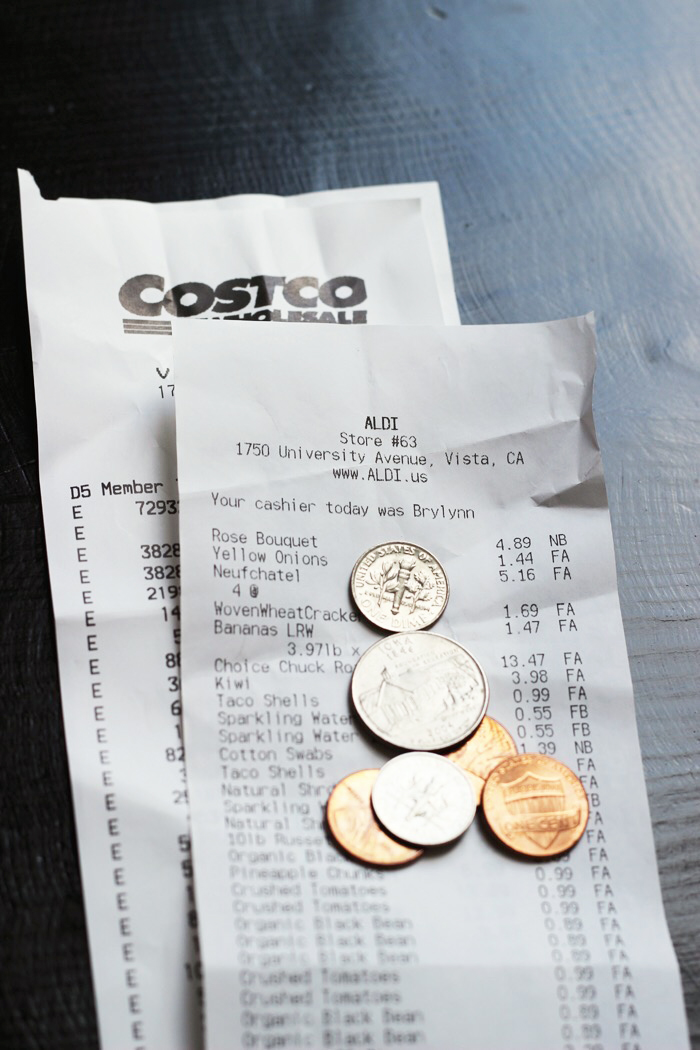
{"points": [[299, 449]]}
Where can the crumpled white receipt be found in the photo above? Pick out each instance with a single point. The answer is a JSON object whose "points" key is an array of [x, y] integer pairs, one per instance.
{"points": [[298, 450], [108, 284]]}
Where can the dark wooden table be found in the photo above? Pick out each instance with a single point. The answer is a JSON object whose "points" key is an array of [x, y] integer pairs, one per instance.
{"points": [[566, 138]]}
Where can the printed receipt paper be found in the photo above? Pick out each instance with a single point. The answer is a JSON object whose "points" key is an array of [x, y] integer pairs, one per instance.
{"points": [[108, 282], [299, 449]]}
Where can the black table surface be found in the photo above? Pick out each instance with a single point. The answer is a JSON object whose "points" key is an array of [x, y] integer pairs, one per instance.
{"points": [[565, 135]]}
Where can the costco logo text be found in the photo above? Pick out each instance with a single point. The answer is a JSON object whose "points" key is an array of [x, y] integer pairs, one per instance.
{"points": [[259, 298]]}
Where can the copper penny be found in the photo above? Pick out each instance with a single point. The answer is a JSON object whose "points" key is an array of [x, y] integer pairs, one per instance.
{"points": [[353, 824], [535, 805], [482, 752]]}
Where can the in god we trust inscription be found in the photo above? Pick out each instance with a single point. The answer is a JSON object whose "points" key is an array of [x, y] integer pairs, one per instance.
{"points": [[399, 586]]}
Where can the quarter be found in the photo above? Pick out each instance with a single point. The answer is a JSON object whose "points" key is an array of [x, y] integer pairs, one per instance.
{"points": [[535, 805], [423, 798], [353, 825], [399, 586], [419, 691]]}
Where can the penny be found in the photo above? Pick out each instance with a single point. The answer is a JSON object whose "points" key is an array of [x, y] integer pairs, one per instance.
{"points": [[423, 798], [482, 752], [399, 586], [354, 827], [419, 691], [535, 805]]}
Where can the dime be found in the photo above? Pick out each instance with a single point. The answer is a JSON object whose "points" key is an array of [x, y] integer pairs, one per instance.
{"points": [[399, 586], [535, 805], [423, 798], [354, 827], [419, 691], [482, 752]]}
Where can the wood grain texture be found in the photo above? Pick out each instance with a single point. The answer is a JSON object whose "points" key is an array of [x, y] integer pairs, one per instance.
{"points": [[566, 138]]}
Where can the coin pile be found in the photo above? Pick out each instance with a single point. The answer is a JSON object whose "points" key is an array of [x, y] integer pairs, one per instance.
{"points": [[424, 693]]}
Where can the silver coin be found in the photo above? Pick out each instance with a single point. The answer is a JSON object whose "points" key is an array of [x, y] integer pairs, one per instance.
{"points": [[419, 691], [423, 799], [399, 586]]}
